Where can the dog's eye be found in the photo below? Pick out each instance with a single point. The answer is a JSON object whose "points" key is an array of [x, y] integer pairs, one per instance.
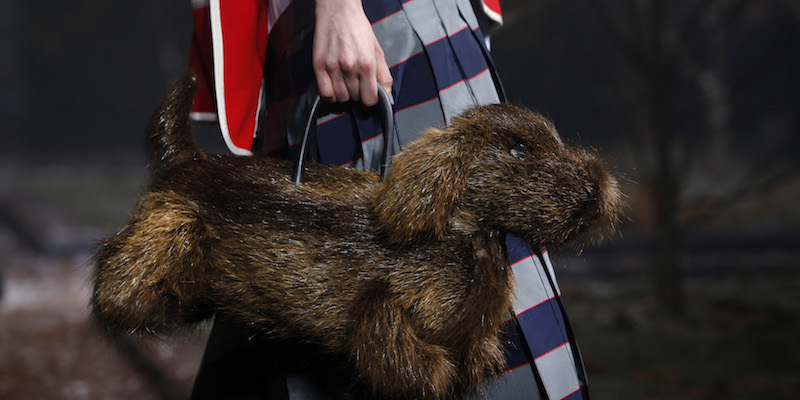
{"points": [[518, 150]]}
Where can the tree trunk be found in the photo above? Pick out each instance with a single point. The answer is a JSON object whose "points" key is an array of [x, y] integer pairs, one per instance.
{"points": [[667, 264], [668, 273]]}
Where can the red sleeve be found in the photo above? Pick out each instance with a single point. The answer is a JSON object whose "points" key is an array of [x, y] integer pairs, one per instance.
{"points": [[203, 108], [491, 8], [231, 37]]}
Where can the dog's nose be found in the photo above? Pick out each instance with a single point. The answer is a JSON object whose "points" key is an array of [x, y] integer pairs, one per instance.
{"points": [[605, 196]]}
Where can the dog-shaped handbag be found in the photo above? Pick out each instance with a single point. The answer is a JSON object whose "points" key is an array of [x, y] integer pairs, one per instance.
{"points": [[407, 278]]}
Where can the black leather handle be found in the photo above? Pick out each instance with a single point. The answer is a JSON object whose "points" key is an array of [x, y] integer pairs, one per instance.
{"points": [[387, 123]]}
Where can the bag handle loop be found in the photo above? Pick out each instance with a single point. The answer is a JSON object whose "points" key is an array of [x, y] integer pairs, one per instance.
{"points": [[387, 124]]}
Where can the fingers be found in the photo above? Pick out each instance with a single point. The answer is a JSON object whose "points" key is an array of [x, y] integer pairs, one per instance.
{"points": [[341, 79], [331, 82], [369, 92], [354, 72], [340, 82], [341, 86], [383, 76], [324, 83], [380, 76], [347, 59]]}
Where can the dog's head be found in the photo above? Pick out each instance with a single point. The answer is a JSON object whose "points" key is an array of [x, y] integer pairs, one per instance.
{"points": [[499, 167]]}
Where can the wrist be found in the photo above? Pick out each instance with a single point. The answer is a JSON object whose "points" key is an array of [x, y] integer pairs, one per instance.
{"points": [[337, 5]]}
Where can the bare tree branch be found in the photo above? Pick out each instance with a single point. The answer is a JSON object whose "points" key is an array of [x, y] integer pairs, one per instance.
{"points": [[620, 31]]}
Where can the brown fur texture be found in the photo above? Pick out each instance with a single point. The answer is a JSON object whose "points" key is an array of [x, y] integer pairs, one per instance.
{"points": [[408, 278]]}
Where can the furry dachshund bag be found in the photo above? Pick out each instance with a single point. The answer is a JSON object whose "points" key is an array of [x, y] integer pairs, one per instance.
{"points": [[406, 278]]}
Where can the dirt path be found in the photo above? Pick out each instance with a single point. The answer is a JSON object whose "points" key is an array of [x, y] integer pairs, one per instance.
{"points": [[50, 350]]}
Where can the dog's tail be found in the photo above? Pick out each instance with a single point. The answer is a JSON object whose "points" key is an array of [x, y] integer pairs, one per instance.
{"points": [[170, 139]]}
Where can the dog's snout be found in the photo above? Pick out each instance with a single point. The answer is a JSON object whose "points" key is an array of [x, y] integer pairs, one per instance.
{"points": [[604, 199]]}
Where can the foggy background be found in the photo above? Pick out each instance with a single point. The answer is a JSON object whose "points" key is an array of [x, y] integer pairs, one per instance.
{"points": [[696, 104]]}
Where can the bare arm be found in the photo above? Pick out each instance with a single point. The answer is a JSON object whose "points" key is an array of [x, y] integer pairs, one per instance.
{"points": [[347, 59]]}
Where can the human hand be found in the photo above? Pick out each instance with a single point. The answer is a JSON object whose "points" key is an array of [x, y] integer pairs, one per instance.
{"points": [[347, 59]]}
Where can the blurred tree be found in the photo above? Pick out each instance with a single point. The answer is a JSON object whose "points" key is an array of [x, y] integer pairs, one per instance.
{"points": [[676, 55], [646, 39], [83, 77]]}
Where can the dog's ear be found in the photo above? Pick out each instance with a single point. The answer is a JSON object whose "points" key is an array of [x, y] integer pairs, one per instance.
{"points": [[423, 186]]}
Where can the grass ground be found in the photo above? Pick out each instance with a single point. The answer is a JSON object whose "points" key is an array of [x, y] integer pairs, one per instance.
{"points": [[737, 341], [49, 349]]}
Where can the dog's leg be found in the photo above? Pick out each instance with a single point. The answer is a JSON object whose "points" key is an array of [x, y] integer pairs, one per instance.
{"points": [[483, 358], [389, 355], [150, 276]]}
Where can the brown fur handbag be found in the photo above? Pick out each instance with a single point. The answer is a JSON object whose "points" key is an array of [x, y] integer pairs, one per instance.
{"points": [[406, 278]]}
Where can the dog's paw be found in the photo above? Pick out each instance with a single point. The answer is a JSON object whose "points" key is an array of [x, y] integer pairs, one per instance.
{"points": [[389, 356], [433, 368], [410, 369], [484, 359]]}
